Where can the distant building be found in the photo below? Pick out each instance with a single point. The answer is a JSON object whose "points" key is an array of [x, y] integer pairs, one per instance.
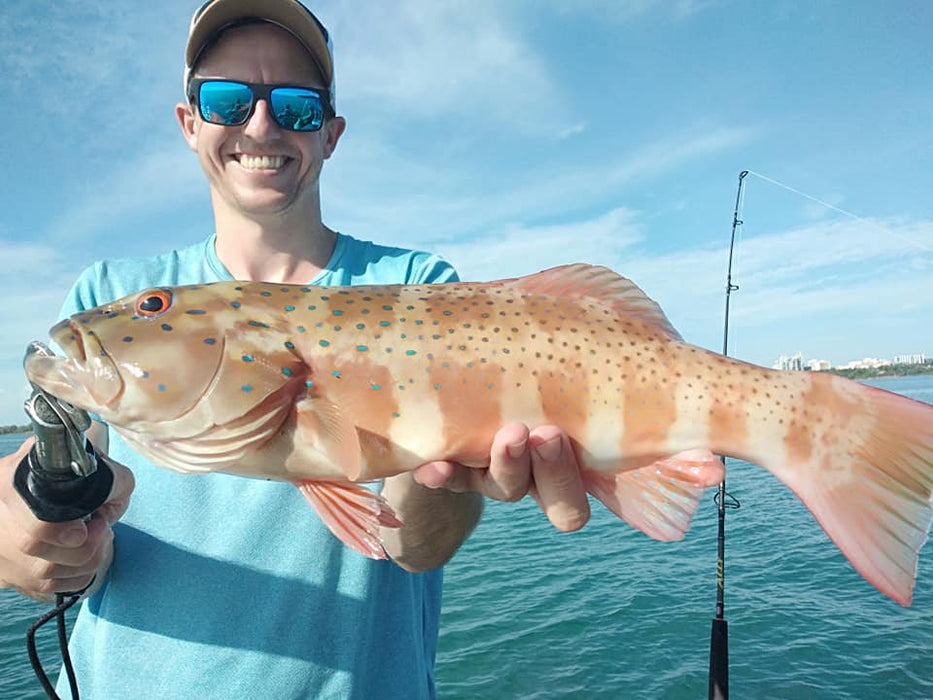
{"points": [[917, 359], [866, 363], [794, 363], [819, 365]]}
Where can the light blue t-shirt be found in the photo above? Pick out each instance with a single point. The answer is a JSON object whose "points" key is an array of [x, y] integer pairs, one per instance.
{"points": [[225, 587]]}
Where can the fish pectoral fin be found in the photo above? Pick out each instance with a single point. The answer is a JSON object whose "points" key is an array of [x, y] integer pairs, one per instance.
{"points": [[659, 499], [321, 426], [353, 513]]}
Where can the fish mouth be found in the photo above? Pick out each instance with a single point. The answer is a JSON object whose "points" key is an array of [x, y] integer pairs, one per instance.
{"points": [[87, 377]]}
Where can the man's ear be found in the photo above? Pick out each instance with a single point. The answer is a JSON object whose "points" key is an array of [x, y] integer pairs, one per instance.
{"points": [[333, 129], [188, 123]]}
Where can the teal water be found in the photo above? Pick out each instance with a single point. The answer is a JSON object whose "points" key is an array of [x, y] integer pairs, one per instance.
{"points": [[608, 613]]}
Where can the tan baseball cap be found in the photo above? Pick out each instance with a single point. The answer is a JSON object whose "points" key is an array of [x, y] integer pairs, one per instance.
{"points": [[291, 15]]}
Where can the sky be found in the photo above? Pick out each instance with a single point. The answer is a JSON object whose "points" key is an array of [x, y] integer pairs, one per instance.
{"points": [[512, 136]]}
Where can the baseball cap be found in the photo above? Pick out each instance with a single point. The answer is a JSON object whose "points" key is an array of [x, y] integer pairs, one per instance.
{"points": [[290, 15]]}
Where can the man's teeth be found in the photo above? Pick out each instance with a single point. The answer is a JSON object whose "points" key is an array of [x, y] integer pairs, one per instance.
{"points": [[262, 162]]}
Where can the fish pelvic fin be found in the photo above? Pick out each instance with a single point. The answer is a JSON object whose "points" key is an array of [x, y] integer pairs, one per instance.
{"points": [[659, 499], [352, 513], [871, 488], [602, 284]]}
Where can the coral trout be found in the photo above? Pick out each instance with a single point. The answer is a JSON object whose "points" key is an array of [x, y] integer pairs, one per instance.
{"points": [[326, 387]]}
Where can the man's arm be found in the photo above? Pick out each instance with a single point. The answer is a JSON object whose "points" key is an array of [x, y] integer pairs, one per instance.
{"points": [[441, 502]]}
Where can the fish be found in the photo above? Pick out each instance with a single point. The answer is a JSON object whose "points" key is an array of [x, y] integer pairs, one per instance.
{"points": [[332, 387]]}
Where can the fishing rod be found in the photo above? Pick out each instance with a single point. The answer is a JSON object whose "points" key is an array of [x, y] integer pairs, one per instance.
{"points": [[719, 634]]}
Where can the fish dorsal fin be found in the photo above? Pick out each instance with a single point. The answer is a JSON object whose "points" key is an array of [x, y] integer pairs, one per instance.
{"points": [[579, 280]]}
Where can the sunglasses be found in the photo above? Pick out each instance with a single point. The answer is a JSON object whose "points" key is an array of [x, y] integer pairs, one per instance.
{"points": [[231, 103]]}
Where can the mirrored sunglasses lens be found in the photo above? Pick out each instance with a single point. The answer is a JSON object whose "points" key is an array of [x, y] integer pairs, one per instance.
{"points": [[297, 109], [223, 102]]}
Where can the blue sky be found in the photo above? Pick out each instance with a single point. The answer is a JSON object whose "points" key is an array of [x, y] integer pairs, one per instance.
{"points": [[513, 136]]}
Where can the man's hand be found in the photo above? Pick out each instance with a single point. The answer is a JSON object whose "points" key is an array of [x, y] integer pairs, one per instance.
{"points": [[539, 462], [40, 559]]}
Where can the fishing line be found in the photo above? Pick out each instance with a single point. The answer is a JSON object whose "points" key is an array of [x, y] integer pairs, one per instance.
{"points": [[856, 217]]}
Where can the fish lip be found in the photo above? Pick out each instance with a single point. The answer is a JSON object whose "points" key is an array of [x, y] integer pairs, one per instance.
{"points": [[86, 377]]}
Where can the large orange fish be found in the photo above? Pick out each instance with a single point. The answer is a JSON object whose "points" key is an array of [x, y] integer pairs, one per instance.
{"points": [[326, 387]]}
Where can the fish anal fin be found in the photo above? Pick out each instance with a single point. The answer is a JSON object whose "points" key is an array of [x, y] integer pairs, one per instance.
{"points": [[352, 513], [659, 499], [580, 280], [323, 427]]}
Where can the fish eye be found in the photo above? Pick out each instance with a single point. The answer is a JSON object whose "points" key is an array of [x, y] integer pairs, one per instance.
{"points": [[154, 302]]}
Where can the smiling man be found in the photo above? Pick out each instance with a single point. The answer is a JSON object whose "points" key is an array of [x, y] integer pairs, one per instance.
{"points": [[218, 586]]}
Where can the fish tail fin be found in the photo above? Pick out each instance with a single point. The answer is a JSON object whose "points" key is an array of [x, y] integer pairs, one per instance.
{"points": [[659, 499], [353, 513], [868, 480]]}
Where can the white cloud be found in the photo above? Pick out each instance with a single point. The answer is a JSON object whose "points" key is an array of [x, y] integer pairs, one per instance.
{"points": [[425, 60], [521, 249]]}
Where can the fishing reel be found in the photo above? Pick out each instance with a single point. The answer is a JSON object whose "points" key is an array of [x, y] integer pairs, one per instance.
{"points": [[62, 478]]}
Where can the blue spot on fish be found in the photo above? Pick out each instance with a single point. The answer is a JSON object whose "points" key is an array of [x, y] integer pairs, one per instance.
{"points": [[196, 312], [311, 307], [247, 388], [289, 308], [290, 345], [337, 373], [384, 324], [323, 343], [266, 294], [309, 384], [410, 352], [338, 312], [259, 324], [235, 304], [128, 339], [386, 307], [301, 329], [166, 327], [286, 371], [362, 348], [374, 387], [360, 326], [210, 341], [248, 358], [162, 387]]}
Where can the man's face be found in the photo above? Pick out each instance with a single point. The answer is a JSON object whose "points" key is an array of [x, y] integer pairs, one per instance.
{"points": [[260, 168]]}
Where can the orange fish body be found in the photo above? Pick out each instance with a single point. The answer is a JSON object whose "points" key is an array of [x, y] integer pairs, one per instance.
{"points": [[326, 386]]}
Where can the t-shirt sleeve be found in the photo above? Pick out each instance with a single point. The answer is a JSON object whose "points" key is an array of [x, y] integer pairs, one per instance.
{"points": [[426, 268], [84, 293]]}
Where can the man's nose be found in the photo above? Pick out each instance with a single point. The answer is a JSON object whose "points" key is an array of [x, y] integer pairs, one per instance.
{"points": [[261, 121]]}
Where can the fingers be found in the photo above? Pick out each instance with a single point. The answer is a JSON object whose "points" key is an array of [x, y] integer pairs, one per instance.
{"points": [[540, 462], [509, 473], [558, 484]]}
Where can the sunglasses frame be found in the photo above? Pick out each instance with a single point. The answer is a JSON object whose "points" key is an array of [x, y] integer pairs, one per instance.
{"points": [[259, 91]]}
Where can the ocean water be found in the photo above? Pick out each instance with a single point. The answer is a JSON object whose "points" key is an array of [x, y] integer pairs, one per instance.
{"points": [[608, 613]]}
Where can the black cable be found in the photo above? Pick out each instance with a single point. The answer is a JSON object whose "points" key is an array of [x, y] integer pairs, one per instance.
{"points": [[63, 601]]}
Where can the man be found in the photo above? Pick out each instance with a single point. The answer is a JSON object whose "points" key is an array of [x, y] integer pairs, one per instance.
{"points": [[218, 586]]}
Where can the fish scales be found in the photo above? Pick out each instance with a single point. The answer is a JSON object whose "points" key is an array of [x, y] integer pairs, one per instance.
{"points": [[325, 387]]}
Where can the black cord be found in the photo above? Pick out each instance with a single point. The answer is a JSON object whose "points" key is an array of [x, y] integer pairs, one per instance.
{"points": [[63, 601]]}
